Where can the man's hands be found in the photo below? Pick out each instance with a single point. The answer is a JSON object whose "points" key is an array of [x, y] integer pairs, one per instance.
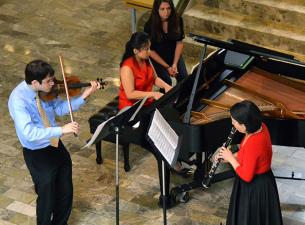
{"points": [[89, 90], [72, 127]]}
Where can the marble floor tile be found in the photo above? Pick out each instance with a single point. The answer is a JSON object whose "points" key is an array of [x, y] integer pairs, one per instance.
{"points": [[22, 208]]}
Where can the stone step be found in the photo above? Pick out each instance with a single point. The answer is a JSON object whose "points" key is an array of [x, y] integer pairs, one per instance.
{"points": [[192, 49], [202, 20], [283, 11], [192, 52]]}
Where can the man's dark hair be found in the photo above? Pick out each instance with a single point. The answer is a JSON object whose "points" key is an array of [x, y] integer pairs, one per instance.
{"points": [[37, 70], [247, 113]]}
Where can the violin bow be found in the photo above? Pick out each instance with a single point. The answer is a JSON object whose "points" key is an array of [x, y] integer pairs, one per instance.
{"points": [[66, 88]]}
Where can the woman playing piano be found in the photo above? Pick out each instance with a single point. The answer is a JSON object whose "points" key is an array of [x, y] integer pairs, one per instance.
{"points": [[136, 73], [166, 30], [254, 199], [138, 78]]}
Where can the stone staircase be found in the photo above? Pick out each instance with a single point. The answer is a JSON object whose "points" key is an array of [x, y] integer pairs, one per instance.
{"points": [[274, 24]]}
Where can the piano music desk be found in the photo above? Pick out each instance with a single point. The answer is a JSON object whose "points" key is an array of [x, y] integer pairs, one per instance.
{"points": [[134, 5]]}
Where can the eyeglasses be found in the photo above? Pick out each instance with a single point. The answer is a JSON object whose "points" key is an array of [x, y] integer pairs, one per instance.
{"points": [[49, 80]]}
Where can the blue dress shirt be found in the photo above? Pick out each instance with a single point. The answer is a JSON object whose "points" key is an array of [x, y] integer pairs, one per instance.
{"points": [[28, 123]]}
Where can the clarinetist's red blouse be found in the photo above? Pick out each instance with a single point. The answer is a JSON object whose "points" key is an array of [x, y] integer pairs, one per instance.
{"points": [[144, 80], [255, 155]]}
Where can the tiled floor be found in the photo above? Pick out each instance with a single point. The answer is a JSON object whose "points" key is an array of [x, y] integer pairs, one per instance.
{"points": [[91, 35]]}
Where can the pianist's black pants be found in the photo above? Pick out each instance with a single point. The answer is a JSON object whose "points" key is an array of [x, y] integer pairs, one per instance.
{"points": [[51, 171]]}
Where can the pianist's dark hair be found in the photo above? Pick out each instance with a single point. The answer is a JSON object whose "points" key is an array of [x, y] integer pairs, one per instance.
{"points": [[37, 70], [137, 40], [156, 23], [247, 113]]}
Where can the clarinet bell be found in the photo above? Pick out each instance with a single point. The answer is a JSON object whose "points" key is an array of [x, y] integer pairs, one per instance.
{"points": [[206, 183]]}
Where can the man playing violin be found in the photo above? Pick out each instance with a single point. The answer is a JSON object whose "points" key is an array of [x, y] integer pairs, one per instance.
{"points": [[46, 157]]}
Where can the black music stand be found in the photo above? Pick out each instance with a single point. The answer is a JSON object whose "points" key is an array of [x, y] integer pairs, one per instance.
{"points": [[114, 125], [164, 140]]}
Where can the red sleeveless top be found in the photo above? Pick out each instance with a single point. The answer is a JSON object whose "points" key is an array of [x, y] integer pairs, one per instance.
{"points": [[143, 81]]}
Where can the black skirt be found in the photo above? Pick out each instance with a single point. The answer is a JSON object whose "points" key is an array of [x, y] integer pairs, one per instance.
{"points": [[255, 203]]}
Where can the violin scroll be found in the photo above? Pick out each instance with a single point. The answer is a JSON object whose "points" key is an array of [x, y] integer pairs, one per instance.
{"points": [[102, 83]]}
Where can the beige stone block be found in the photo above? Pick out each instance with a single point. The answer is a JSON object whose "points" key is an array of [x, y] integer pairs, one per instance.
{"points": [[22, 208], [5, 201], [21, 219], [3, 222], [9, 150], [20, 195]]}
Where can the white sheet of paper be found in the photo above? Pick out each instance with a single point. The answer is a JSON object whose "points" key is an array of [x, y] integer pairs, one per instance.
{"points": [[96, 133], [163, 136], [101, 126]]}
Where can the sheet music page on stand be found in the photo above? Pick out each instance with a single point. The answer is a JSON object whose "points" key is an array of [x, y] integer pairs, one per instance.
{"points": [[96, 133], [163, 136], [102, 125]]}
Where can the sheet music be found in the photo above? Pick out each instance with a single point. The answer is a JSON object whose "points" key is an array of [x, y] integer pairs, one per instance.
{"points": [[100, 127], [96, 133], [163, 136]]}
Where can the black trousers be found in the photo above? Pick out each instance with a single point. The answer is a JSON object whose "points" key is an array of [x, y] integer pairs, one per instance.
{"points": [[51, 171]]}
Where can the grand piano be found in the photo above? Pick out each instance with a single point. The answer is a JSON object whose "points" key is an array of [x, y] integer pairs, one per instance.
{"points": [[198, 107]]}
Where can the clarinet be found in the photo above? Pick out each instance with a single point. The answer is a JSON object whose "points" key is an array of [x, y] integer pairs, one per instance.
{"points": [[215, 164]]}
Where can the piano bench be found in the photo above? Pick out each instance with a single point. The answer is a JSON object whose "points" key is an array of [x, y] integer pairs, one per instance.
{"points": [[111, 109]]}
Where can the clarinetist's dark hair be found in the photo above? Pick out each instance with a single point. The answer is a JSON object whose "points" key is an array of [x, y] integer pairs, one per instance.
{"points": [[137, 41], [247, 113]]}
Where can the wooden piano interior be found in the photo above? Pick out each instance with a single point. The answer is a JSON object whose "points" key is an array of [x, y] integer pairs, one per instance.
{"points": [[277, 96]]}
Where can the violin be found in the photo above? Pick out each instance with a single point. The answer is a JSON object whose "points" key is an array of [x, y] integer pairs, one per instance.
{"points": [[74, 87]]}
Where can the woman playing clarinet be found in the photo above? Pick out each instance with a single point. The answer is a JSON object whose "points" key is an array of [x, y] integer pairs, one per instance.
{"points": [[254, 199]]}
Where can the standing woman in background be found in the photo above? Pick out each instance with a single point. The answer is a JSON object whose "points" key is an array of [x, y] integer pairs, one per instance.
{"points": [[166, 30], [254, 199]]}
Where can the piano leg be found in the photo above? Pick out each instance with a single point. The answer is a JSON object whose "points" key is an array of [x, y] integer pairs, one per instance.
{"points": [[200, 168], [98, 149], [126, 157], [99, 159]]}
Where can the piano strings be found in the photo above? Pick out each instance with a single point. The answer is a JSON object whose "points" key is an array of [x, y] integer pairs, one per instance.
{"points": [[253, 86]]}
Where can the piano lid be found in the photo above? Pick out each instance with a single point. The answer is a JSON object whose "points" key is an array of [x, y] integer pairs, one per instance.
{"points": [[246, 48]]}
